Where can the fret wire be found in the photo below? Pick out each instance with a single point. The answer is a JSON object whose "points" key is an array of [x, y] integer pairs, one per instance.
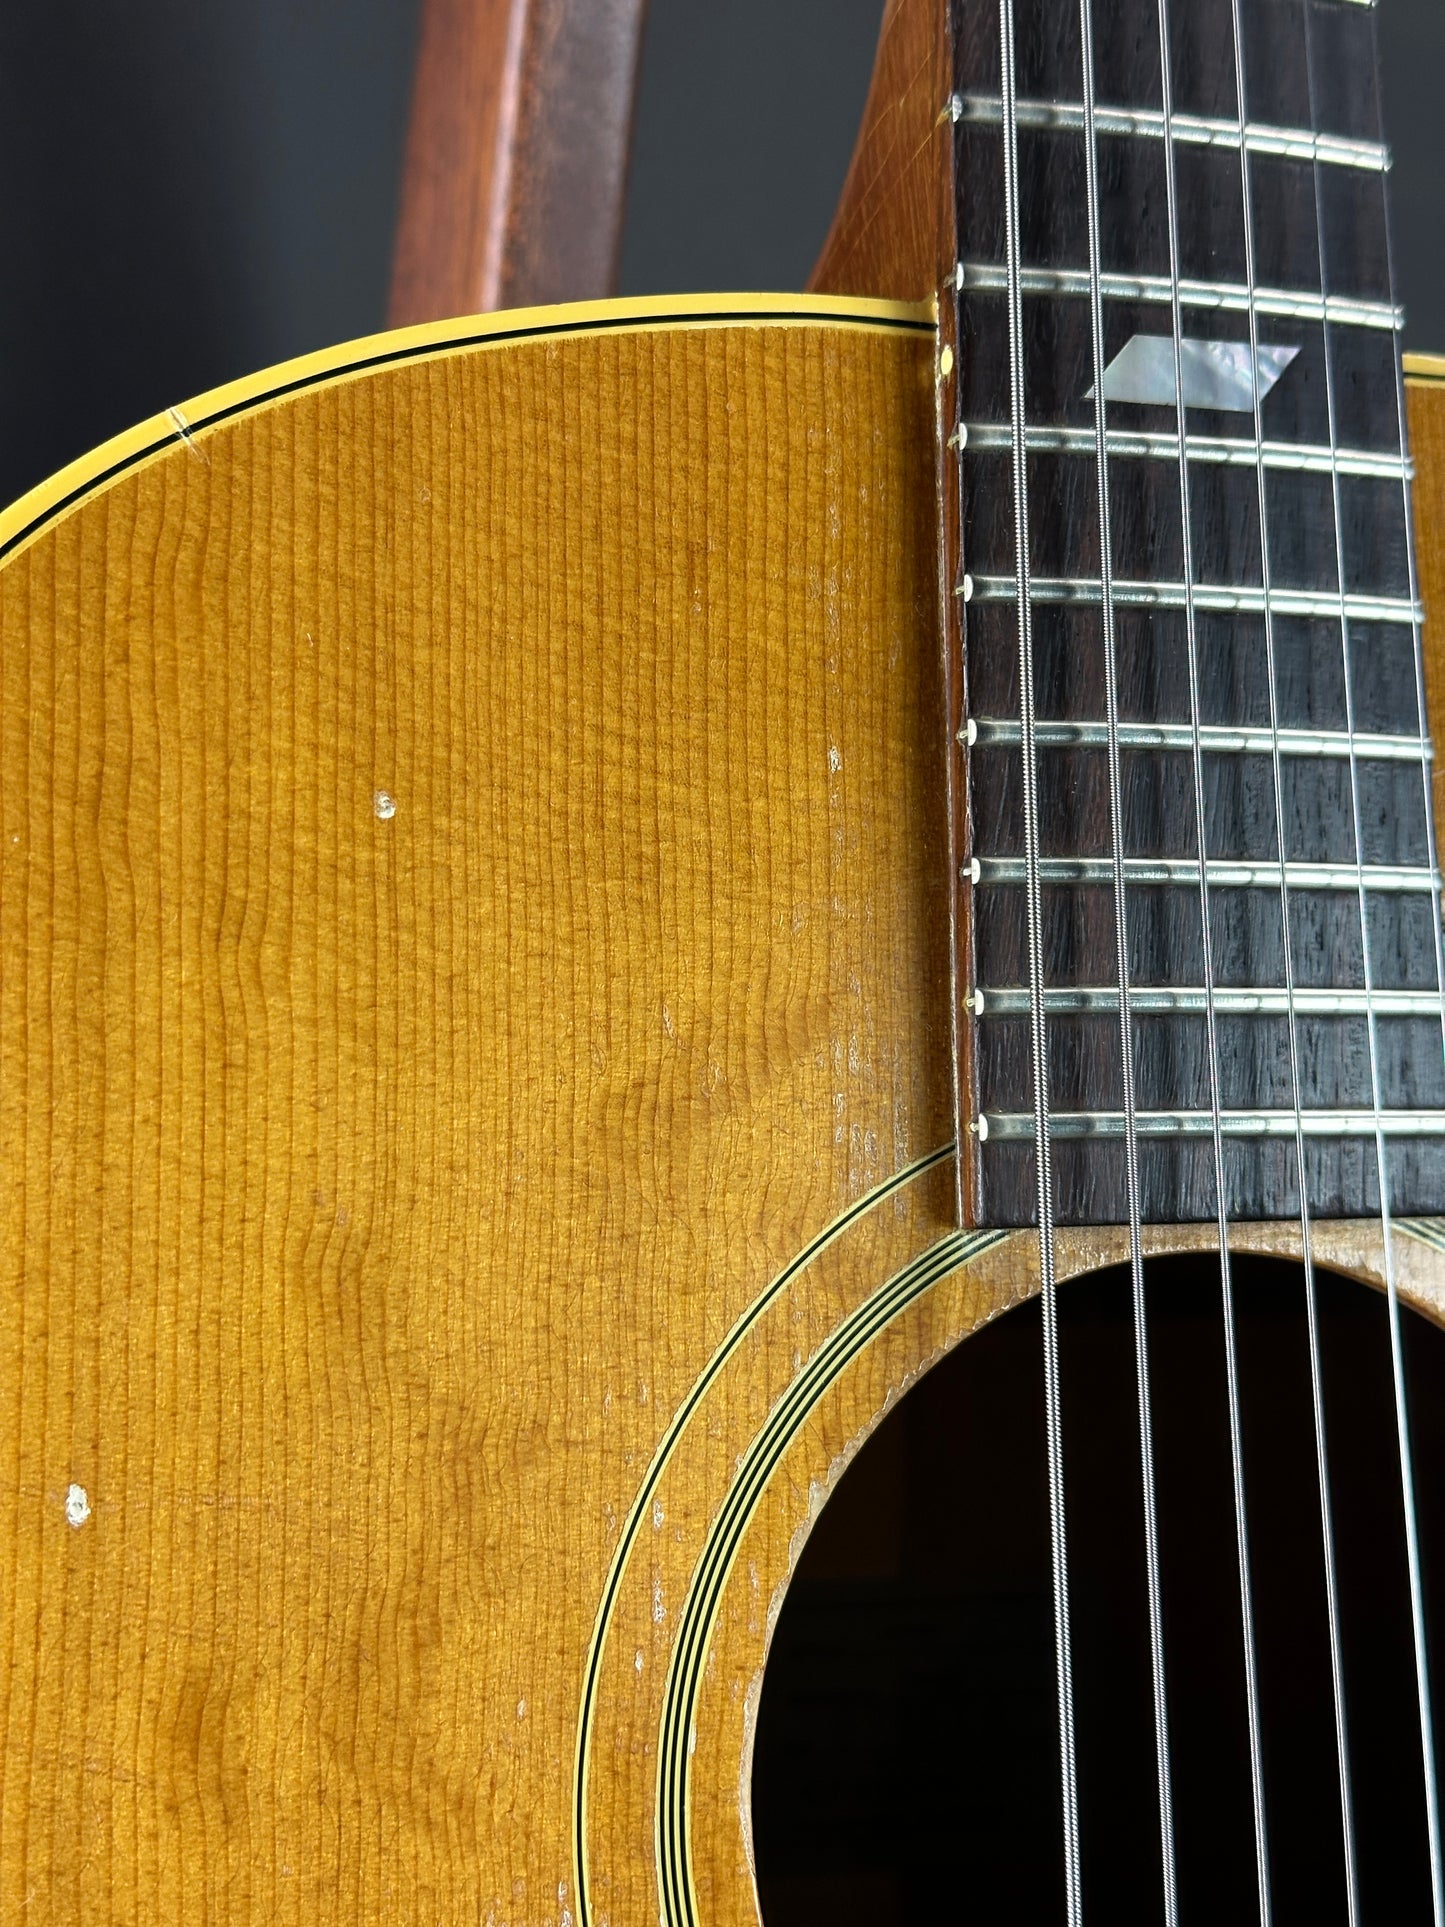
{"points": [[1153, 1588], [1226, 1282], [1010, 1126], [1034, 919], [1226, 450], [1237, 1000], [1289, 143], [1397, 1362], [1217, 740], [1212, 597], [1229, 296], [1224, 873], [1291, 1021]]}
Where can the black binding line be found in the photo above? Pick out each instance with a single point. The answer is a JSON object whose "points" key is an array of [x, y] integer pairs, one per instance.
{"points": [[425, 351], [950, 1254], [678, 1425]]}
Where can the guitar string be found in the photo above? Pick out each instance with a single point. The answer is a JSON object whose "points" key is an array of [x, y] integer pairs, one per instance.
{"points": [[1038, 1019], [1291, 1019], [1126, 1021], [1226, 1281], [1397, 1357]]}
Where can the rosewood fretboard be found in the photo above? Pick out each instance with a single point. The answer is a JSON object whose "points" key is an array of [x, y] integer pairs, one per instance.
{"points": [[1264, 647]]}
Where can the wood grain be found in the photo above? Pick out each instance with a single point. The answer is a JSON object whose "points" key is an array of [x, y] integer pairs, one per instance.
{"points": [[894, 236], [1246, 530], [374, 1188], [515, 179], [892, 231], [978, 1286], [380, 1193]]}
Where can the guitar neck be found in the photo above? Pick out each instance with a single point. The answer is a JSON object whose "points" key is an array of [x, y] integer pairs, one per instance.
{"points": [[1189, 624]]}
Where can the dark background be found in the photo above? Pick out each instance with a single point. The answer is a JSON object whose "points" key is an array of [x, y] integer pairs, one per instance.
{"points": [[194, 189]]}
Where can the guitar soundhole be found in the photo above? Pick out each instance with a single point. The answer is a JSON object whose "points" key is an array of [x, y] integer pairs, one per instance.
{"points": [[906, 1764]]}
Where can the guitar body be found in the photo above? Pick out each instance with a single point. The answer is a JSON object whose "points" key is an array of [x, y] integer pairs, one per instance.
{"points": [[380, 1185], [477, 1023], [455, 1251]]}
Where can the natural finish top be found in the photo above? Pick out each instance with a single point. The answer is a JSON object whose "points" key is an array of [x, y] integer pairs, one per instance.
{"points": [[471, 910]]}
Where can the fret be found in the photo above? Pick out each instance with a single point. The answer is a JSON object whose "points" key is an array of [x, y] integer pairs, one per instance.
{"points": [[1166, 947], [1019, 1125], [1207, 249], [1153, 682], [1288, 143], [1223, 873], [1059, 358], [1085, 591], [1197, 285], [1261, 1180], [1284, 608], [991, 732], [1237, 451], [1231, 297], [1230, 1000]]}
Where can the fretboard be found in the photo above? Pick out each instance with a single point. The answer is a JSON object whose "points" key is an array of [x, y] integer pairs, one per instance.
{"points": [[1253, 613]]}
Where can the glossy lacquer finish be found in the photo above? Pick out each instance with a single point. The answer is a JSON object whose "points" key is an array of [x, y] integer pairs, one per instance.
{"points": [[1328, 591], [469, 926]]}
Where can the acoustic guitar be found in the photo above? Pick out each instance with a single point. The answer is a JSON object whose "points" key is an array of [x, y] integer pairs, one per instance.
{"points": [[585, 894]]}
